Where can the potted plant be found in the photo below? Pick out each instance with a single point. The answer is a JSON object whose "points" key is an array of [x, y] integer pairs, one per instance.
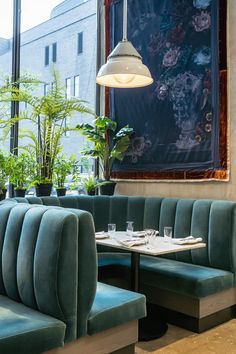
{"points": [[91, 184], [21, 169], [48, 116], [62, 168], [3, 175], [108, 146]]}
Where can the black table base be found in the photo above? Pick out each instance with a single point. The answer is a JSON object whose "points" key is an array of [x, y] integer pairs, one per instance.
{"points": [[153, 326]]}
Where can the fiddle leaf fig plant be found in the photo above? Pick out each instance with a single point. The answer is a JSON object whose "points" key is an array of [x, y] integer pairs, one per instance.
{"points": [[109, 145]]}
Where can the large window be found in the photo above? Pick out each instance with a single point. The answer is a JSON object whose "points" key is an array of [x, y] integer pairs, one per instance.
{"points": [[52, 33], [52, 37], [6, 33]]}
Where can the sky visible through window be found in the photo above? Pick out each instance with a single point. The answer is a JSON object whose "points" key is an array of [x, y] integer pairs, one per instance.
{"points": [[33, 13]]}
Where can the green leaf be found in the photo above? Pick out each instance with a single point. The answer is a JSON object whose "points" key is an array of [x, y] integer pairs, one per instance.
{"points": [[124, 132], [104, 123], [120, 148]]}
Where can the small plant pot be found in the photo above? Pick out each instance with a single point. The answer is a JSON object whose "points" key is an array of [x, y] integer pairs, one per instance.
{"points": [[3, 194], [61, 192], [19, 193], [43, 189], [108, 189]]}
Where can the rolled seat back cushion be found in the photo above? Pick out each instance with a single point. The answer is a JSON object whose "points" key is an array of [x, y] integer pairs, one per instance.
{"points": [[38, 260]]}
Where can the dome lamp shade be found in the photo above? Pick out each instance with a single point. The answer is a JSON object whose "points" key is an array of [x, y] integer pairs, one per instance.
{"points": [[124, 67]]}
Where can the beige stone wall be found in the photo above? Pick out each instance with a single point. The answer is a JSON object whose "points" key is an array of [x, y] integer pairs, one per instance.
{"points": [[211, 189]]}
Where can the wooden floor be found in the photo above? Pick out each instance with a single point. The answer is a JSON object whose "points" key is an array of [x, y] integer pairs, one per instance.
{"points": [[219, 340]]}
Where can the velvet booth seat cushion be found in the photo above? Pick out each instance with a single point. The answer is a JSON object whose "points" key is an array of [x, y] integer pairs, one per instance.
{"points": [[114, 265], [188, 279], [114, 306], [184, 278], [23, 330]]}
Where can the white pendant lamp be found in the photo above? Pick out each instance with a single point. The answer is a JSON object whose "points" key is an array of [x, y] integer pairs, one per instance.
{"points": [[124, 67]]}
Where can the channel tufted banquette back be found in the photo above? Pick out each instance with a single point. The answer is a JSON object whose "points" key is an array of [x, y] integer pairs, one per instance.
{"points": [[44, 262], [37, 246], [213, 220]]}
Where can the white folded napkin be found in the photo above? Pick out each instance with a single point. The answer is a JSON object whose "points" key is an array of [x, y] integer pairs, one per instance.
{"points": [[138, 234], [130, 243], [143, 233], [100, 235], [186, 240]]}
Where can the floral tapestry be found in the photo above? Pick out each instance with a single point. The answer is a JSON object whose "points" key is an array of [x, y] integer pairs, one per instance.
{"points": [[177, 120]]}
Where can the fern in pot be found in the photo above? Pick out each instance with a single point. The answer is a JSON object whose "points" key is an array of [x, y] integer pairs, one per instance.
{"points": [[48, 117], [91, 184]]}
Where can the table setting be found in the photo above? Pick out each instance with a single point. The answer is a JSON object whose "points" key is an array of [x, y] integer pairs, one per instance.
{"points": [[147, 240]]}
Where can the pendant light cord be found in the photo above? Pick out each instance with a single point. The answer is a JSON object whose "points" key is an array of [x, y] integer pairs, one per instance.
{"points": [[125, 11]]}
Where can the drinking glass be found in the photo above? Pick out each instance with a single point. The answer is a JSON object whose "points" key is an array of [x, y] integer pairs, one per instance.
{"points": [[111, 228], [167, 233], [129, 227], [150, 237]]}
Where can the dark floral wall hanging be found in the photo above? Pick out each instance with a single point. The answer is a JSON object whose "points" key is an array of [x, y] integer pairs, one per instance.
{"points": [[180, 120]]}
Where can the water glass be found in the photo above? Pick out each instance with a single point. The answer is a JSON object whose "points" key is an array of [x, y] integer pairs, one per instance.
{"points": [[129, 227], [150, 237], [111, 229], [167, 233]]}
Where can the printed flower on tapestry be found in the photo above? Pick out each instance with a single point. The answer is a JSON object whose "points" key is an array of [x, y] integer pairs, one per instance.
{"points": [[202, 21], [201, 4], [171, 57]]}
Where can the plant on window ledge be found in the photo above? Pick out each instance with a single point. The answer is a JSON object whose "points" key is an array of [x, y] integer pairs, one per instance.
{"points": [[3, 175], [109, 145], [48, 115], [91, 184], [62, 169], [21, 169]]}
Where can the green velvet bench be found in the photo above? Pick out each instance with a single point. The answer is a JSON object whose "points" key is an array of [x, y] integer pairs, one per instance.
{"points": [[50, 300], [195, 289]]}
